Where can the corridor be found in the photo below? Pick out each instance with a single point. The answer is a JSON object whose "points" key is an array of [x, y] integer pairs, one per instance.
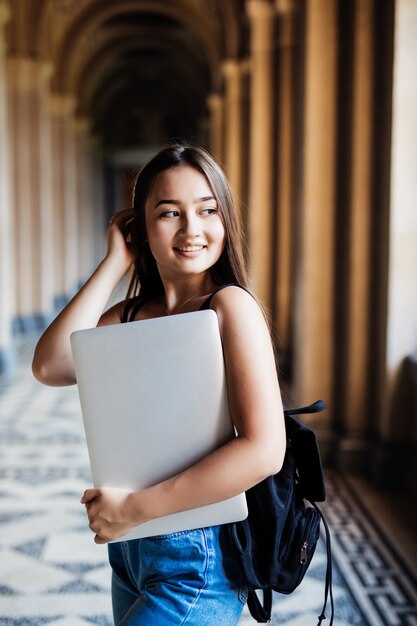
{"points": [[309, 106]]}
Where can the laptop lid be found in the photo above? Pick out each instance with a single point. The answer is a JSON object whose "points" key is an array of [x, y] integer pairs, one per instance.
{"points": [[154, 401]]}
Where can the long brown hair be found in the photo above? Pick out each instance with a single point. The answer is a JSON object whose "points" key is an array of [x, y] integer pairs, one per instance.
{"points": [[230, 268]]}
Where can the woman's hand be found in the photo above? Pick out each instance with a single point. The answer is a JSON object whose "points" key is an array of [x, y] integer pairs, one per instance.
{"points": [[119, 241], [109, 513]]}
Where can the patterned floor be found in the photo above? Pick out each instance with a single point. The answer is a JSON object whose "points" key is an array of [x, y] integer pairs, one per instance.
{"points": [[51, 572]]}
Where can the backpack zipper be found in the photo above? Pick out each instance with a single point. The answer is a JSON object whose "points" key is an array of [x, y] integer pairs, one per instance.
{"points": [[304, 546], [303, 555]]}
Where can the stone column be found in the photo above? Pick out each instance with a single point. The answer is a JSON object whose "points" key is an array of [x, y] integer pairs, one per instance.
{"points": [[359, 264], [7, 261], [245, 86], [314, 283], [44, 236], [31, 173], [99, 219], [84, 197], [261, 15], [286, 106], [215, 105], [233, 126], [64, 197], [23, 215]]}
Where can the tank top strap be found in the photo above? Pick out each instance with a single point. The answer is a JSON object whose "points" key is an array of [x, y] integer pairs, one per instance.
{"points": [[131, 309], [206, 304]]}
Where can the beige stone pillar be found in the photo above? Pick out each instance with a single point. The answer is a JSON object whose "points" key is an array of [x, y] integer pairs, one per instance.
{"points": [[98, 214], [215, 105], [233, 126], [261, 14], [85, 207], [31, 172], [7, 261], [314, 317], [44, 239], [64, 195], [20, 119], [245, 86], [284, 288], [358, 299]]}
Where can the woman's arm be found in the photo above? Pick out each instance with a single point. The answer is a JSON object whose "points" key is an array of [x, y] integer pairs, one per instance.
{"points": [[256, 410], [52, 361]]}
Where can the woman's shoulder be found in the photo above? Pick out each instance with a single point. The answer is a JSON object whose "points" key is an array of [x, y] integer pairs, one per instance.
{"points": [[242, 321], [235, 301], [231, 292]]}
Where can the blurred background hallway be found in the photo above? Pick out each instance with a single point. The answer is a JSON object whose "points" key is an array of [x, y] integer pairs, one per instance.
{"points": [[310, 106]]}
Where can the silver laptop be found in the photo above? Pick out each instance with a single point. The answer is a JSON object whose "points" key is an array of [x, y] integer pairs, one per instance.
{"points": [[154, 401]]}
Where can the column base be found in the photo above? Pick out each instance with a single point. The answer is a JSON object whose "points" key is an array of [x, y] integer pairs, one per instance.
{"points": [[7, 360], [352, 454], [388, 465], [394, 465], [25, 324], [327, 443], [60, 302]]}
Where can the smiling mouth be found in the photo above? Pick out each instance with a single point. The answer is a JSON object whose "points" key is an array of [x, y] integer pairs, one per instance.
{"points": [[189, 248]]}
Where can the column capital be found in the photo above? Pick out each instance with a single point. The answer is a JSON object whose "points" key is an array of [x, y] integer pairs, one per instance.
{"points": [[262, 19], [62, 105], [285, 7], [25, 72], [214, 101], [5, 13], [47, 69], [258, 10], [82, 125], [286, 11], [231, 68]]}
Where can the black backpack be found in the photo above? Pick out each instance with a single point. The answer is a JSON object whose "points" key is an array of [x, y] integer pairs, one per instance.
{"points": [[276, 542]]}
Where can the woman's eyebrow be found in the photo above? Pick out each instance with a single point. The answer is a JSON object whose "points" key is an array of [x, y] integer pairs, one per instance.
{"points": [[177, 202], [167, 201]]}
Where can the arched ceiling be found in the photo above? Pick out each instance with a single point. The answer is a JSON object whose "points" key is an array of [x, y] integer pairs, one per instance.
{"points": [[128, 63], [152, 91], [132, 59]]}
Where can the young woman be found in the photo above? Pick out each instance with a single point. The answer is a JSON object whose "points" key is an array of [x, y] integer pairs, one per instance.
{"points": [[182, 236]]}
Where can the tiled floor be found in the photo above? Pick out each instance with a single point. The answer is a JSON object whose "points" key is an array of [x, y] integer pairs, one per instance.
{"points": [[51, 572]]}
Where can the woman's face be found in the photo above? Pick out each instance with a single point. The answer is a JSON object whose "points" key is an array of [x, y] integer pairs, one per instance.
{"points": [[183, 222]]}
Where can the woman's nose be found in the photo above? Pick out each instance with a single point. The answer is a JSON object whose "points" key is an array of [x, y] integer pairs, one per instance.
{"points": [[190, 225]]}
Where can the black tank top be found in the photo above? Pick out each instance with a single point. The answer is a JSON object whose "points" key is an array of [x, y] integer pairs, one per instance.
{"points": [[132, 306]]}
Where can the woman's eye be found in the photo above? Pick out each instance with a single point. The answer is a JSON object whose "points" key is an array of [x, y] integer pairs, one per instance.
{"points": [[169, 214], [209, 211]]}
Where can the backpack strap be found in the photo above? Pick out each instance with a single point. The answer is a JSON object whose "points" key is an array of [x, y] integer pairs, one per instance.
{"points": [[306, 451], [260, 612], [297, 427], [316, 407], [328, 591]]}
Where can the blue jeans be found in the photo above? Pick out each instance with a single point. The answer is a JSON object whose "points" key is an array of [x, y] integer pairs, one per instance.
{"points": [[188, 578]]}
